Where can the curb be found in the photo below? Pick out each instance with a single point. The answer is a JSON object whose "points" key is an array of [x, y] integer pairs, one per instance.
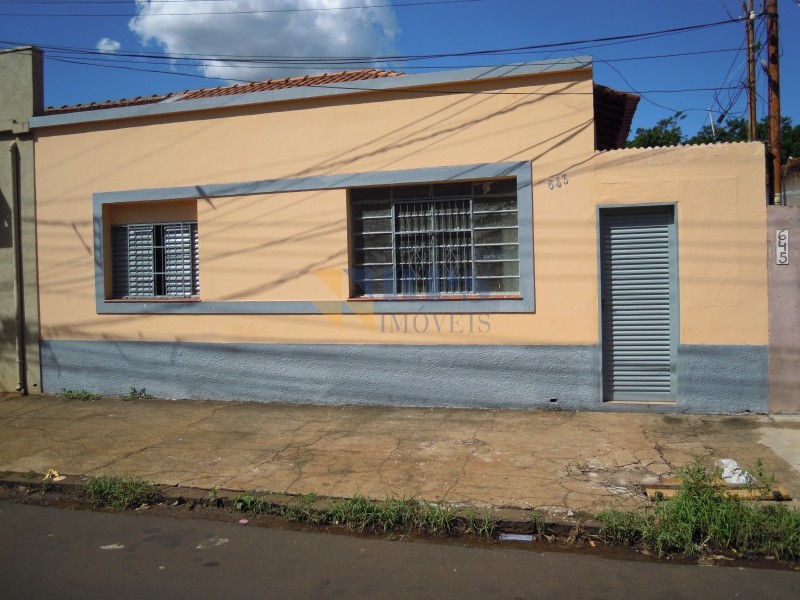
{"points": [[510, 521]]}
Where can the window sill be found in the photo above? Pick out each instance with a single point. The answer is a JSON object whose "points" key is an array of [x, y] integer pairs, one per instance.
{"points": [[152, 299], [447, 298]]}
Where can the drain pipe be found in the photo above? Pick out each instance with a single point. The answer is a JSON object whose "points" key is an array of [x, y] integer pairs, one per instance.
{"points": [[19, 294]]}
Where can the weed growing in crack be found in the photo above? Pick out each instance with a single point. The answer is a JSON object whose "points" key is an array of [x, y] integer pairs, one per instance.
{"points": [[622, 527], [136, 394], [66, 394], [538, 526], [120, 493], [482, 525], [703, 518], [438, 518]]}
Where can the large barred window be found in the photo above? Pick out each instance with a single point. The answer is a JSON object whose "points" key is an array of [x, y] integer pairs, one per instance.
{"points": [[155, 260], [443, 239]]}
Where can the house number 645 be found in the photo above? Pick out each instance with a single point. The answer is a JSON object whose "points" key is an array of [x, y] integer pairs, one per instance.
{"points": [[557, 181]]}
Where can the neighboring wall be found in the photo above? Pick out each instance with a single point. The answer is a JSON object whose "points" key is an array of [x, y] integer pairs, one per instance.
{"points": [[791, 188], [784, 313], [20, 98], [292, 246]]}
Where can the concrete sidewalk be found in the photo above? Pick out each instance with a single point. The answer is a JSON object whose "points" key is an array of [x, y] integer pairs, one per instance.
{"points": [[551, 461]]}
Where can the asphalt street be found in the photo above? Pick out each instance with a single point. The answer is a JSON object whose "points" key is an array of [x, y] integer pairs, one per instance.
{"points": [[59, 553]]}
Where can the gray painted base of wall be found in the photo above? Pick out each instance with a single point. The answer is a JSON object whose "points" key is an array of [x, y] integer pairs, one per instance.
{"points": [[722, 379], [727, 379]]}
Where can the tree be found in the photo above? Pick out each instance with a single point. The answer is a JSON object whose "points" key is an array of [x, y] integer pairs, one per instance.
{"points": [[667, 132], [734, 130]]}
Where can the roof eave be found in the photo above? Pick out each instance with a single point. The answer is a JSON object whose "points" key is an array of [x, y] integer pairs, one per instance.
{"points": [[299, 93]]}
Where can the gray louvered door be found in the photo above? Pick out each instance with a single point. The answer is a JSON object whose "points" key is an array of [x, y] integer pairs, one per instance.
{"points": [[639, 296]]}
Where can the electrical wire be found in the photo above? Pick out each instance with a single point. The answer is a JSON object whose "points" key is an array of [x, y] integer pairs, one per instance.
{"points": [[99, 57], [238, 12], [411, 91], [323, 60]]}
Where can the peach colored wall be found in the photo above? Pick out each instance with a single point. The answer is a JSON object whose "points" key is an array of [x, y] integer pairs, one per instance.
{"points": [[722, 220], [293, 246], [274, 246]]}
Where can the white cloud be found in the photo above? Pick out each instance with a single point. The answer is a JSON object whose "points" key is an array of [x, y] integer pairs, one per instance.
{"points": [[108, 45], [367, 31]]}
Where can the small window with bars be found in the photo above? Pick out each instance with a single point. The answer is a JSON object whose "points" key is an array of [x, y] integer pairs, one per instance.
{"points": [[459, 238], [155, 260]]}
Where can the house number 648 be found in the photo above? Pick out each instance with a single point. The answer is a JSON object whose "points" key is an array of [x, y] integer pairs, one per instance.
{"points": [[557, 181]]}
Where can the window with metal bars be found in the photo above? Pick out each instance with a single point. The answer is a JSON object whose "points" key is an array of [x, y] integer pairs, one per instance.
{"points": [[459, 238], [155, 260]]}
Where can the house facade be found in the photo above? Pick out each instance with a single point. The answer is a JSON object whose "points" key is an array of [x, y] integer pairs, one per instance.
{"points": [[467, 238]]}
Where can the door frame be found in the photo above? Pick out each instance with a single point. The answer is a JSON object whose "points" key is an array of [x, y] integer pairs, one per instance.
{"points": [[674, 299]]}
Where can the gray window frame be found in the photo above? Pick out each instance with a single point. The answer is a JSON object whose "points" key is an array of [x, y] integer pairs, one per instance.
{"points": [[521, 170]]}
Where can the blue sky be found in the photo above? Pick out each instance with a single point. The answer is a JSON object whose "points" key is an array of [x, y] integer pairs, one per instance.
{"points": [[457, 26]]}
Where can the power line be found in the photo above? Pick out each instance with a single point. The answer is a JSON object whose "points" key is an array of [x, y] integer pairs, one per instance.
{"points": [[68, 2], [259, 64], [366, 89], [325, 60], [232, 12]]}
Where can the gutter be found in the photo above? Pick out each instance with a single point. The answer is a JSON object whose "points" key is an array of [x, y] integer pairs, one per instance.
{"points": [[19, 293]]}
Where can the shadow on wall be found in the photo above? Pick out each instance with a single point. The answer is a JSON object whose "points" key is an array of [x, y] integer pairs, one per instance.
{"points": [[5, 222], [8, 333], [8, 352]]}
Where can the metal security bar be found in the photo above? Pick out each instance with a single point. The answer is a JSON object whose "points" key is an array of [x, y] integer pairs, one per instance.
{"points": [[437, 239], [155, 260]]}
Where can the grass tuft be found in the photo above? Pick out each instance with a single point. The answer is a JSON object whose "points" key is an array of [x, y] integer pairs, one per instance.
{"points": [[120, 493], [390, 515], [66, 394], [136, 394], [702, 518]]}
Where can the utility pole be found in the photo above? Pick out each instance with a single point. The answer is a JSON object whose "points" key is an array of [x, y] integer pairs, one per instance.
{"points": [[750, 16], [774, 100]]}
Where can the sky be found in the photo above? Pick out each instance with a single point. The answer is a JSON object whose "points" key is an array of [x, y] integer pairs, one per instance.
{"points": [[98, 50]]}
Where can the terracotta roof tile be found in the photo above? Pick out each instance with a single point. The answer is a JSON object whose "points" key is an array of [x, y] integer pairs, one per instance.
{"points": [[613, 115], [229, 90], [57, 110]]}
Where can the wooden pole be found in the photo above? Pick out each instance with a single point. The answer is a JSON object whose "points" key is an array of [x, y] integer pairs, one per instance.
{"points": [[774, 100], [750, 16]]}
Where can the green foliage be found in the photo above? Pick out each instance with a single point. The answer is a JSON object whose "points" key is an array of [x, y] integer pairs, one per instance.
{"points": [[134, 394], [251, 504], [703, 518], [484, 525], [65, 394], [539, 526], [622, 527], [120, 493], [667, 132], [392, 514]]}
